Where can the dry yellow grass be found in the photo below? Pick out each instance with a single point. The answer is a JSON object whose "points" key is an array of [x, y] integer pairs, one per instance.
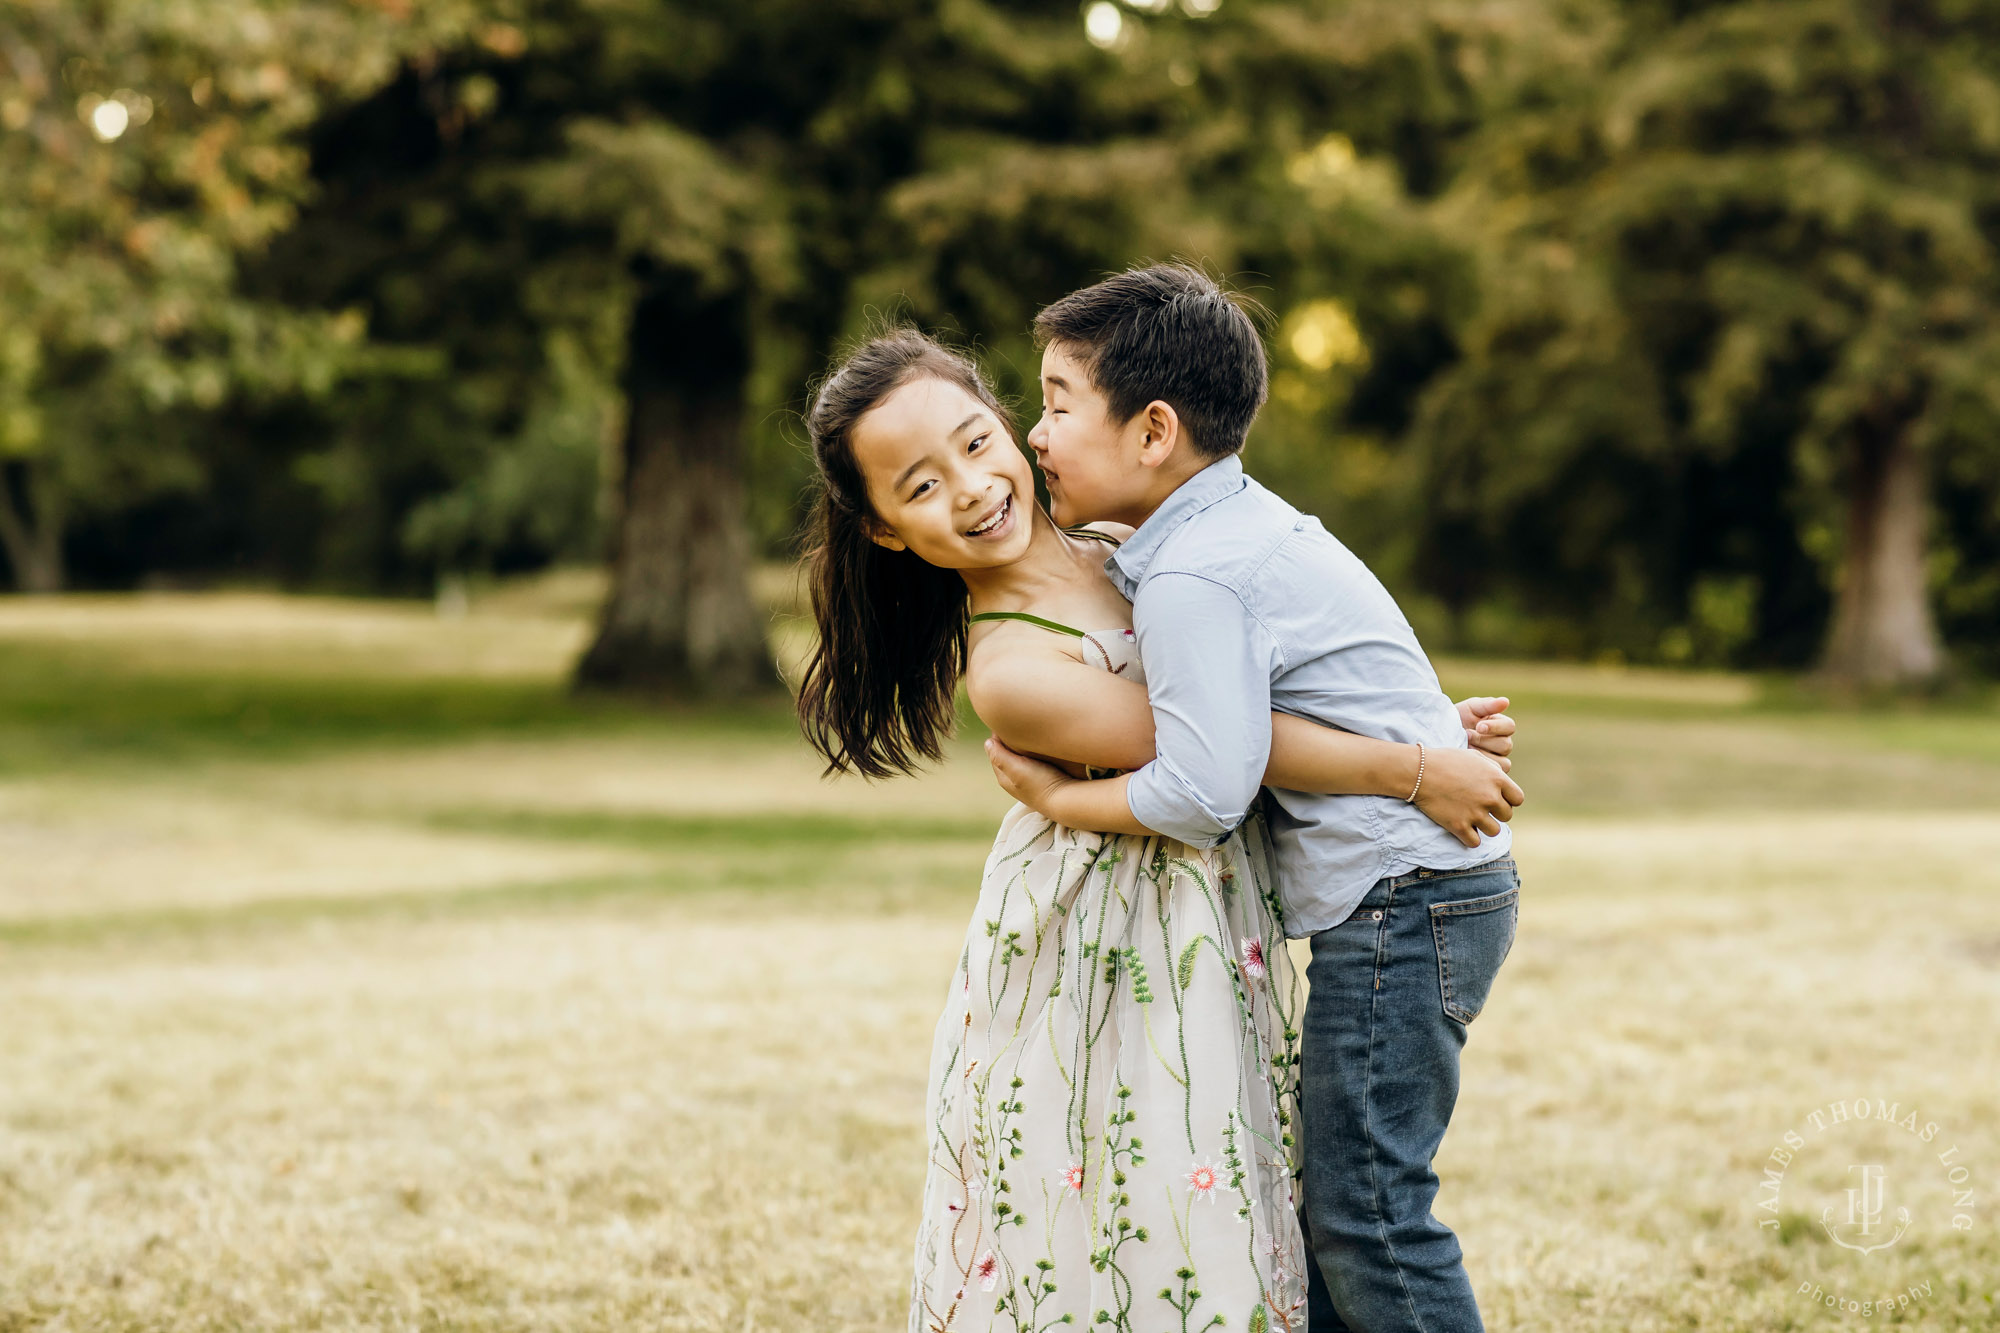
{"points": [[627, 1028]]}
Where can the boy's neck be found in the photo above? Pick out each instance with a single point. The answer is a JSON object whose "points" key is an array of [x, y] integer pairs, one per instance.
{"points": [[1171, 475], [1048, 563]]}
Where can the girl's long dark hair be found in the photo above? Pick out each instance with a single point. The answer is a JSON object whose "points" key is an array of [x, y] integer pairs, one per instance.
{"points": [[879, 691]]}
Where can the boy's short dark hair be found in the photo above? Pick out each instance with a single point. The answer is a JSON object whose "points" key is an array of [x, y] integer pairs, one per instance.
{"points": [[1168, 332]]}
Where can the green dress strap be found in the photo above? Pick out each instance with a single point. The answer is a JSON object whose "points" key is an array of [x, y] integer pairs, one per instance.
{"points": [[1032, 620], [1092, 535]]}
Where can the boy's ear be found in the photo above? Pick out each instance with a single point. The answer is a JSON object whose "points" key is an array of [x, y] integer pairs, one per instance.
{"points": [[1159, 432]]}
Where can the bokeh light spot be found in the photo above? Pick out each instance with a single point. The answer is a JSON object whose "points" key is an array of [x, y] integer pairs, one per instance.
{"points": [[1103, 24], [1323, 335], [108, 119]]}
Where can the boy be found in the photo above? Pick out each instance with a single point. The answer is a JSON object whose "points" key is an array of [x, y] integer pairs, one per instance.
{"points": [[1241, 604]]}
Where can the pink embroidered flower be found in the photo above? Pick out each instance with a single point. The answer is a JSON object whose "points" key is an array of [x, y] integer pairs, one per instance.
{"points": [[1072, 1175], [1203, 1180], [953, 1207], [988, 1271], [1253, 959]]}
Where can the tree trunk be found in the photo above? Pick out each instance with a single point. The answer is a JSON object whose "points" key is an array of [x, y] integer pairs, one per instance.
{"points": [[680, 618], [30, 533], [1883, 631]]}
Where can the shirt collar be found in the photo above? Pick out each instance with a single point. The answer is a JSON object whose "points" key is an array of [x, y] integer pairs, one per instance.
{"points": [[1128, 564]]}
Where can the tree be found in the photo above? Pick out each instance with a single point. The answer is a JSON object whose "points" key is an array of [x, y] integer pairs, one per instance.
{"points": [[779, 169], [147, 151], [733, 189], [1749, 245]]}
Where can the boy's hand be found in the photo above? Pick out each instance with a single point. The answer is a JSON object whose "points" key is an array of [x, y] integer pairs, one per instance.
{"points": [[1488, 729], [1467, 794], [1032, 782]]}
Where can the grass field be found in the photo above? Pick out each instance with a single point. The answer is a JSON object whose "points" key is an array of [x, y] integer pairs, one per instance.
{"points": [[352, 976]]}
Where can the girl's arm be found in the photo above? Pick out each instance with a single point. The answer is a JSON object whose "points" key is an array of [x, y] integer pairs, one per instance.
{"points": [[1041, 703]]}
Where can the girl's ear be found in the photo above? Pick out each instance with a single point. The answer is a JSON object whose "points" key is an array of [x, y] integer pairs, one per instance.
{"points": [[881, 536]]}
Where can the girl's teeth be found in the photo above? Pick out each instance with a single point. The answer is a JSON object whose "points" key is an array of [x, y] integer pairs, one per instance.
{"points": [[990, 523]]}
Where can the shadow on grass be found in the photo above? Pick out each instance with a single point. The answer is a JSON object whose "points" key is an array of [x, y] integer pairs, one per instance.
{"points": [[64, 705], [191, 921], [734, 833], [818, 866]]}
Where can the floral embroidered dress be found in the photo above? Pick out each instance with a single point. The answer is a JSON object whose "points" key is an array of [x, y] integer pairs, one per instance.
{"points": [[1113, 1086]]}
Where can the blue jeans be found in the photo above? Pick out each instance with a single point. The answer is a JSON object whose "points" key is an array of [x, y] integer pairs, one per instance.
{"points": [[1393, 988]]}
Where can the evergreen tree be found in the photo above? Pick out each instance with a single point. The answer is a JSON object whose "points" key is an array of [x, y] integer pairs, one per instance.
{"points": [[1738, 283], [734, 190]]}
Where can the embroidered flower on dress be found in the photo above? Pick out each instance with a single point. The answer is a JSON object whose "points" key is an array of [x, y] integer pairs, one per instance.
{"points": [[1072, 1175], [1253, 959], [953, 1207], [988, 1269], [1203, 1180]]}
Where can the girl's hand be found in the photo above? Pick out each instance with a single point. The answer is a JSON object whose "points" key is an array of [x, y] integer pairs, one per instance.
{"points": [[1467, 794], [1032, 782], [1488, 729]]}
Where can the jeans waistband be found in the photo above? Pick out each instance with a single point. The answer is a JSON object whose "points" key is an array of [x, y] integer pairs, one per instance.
{"points": [[1424, 875]]}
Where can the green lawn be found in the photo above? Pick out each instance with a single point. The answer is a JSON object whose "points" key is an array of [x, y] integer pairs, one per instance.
{"points": [[356, 975]]}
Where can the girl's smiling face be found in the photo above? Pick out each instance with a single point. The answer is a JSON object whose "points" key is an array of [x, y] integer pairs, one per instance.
{"points": [[944, 477]]}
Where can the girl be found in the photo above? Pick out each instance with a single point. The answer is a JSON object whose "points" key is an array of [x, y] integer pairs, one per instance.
{"points": [[1110, 1108]]}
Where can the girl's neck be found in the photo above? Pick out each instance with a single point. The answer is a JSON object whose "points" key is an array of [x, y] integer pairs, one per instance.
{"points": [[1048, 563]]}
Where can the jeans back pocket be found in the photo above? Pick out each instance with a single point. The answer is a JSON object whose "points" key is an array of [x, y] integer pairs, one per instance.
{"points": [[1473, 939]]}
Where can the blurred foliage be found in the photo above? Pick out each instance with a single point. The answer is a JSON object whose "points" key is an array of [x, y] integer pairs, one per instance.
{"points": [[1577, 309], [150, 148], [1737, 264]]}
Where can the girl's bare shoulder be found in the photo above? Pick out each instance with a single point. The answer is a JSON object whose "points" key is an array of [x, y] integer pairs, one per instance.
{"points": [[1003, 655]]}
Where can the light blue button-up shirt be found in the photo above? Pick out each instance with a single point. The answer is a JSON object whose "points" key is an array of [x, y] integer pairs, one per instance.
{"points": [[1242, 604]]}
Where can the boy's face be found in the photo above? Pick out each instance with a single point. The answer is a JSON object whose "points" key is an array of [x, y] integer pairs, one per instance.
{"points": [[1091, 464]]}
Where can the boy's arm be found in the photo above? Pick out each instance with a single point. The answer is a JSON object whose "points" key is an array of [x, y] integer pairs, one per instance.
{"points": [[1466, 792], [1208, 678], [1048, 704]]}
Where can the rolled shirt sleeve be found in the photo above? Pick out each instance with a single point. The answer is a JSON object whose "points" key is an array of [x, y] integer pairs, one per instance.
{"points": [[1209, 664]]}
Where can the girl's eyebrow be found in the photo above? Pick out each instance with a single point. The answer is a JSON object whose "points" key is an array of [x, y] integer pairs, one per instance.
{"points": [[956, 431]]}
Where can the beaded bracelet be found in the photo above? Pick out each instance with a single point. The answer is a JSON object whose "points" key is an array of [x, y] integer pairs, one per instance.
{"points": [[1420, 773]]}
